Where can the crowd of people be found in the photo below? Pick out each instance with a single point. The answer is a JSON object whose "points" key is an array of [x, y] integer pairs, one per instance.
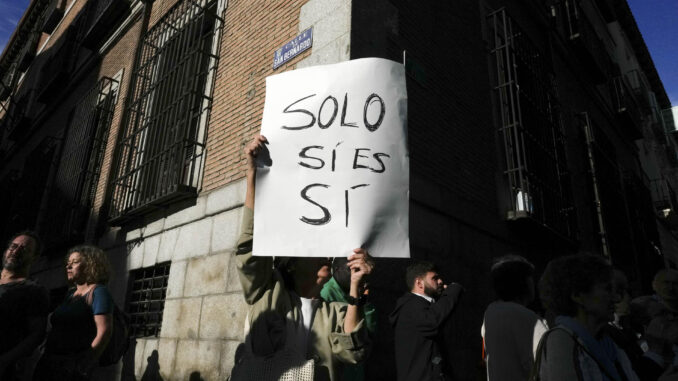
{"points": [[597, 332], [309, 318]]}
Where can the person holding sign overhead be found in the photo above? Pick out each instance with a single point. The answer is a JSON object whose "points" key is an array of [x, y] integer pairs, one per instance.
{"points": [[287, 318]]}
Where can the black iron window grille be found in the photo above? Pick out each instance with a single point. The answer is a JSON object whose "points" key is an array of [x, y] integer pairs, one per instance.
{"points": [[663, 197], [641, 88], [667, 119], [146, 299], [163, 145], [626, 107], [8, 80], [75, 183], [574, 25], [531, 129]]}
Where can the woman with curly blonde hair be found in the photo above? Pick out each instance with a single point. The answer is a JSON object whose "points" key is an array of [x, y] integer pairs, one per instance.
{"points": [[82, 324]]}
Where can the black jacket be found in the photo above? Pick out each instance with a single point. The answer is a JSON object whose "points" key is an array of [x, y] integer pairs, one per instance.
{"points": [[417, 324]]}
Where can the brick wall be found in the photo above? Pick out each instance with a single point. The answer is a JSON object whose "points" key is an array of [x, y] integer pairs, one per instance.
{"points": [[120, 57], [249, 39]]}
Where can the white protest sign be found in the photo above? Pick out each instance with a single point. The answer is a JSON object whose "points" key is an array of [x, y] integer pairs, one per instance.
{"points": [[338, 174]]}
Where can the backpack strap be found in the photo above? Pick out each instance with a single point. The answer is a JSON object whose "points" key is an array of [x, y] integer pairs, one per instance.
{"points": [[536, 366]]}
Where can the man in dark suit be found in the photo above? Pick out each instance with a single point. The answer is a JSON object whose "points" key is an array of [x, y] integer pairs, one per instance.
{"points": [[418, 320]]}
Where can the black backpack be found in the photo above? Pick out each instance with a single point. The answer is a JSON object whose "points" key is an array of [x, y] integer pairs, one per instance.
{"points": [[119, 341]]}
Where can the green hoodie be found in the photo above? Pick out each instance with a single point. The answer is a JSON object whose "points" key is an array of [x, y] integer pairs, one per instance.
{"points": [[332, 292]]}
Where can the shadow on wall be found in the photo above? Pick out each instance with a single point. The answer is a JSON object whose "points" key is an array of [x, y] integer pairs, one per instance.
{"points": [[152, 372]]}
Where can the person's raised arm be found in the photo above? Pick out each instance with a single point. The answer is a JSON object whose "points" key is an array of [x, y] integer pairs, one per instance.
{"points": [[429, 320], [251, 151], [360, 264], [255, 272]]}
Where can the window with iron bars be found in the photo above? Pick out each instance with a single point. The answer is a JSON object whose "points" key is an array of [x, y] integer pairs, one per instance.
{"points": [[75, 183], [163, 144], [146, 299], [531, 129]]}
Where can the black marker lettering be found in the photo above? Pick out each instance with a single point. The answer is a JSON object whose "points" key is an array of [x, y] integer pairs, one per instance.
{"points": [[288, 111], [334, 155], [334, 113], [304, 155], [357, 155], [326, 213], [377, 156], [373, 127], [346, 198], [343, 114]]}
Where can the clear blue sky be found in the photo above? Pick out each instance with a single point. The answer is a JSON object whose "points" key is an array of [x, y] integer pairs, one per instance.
{"points": [[10, 14], [657, 21]]}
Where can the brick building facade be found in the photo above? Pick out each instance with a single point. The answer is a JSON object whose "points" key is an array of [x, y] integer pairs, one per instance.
{"points": [[534, 127]]}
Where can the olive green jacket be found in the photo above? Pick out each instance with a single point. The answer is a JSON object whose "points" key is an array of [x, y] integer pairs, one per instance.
{"points": [[265, 292]]}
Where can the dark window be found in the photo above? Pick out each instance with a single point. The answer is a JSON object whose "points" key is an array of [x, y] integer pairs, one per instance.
{"points": [[75, 184], [663, 197], [29, 189], [589, 45], [59, 66], [162, 147], [531, 129], [9, 184], [146, 299]]}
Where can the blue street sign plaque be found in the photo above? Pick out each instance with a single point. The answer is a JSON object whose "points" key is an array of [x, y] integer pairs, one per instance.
{"points": [[293, 48]]}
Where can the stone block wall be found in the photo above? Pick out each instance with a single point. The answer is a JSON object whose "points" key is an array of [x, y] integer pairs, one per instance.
{"points": [[204, 309]]}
